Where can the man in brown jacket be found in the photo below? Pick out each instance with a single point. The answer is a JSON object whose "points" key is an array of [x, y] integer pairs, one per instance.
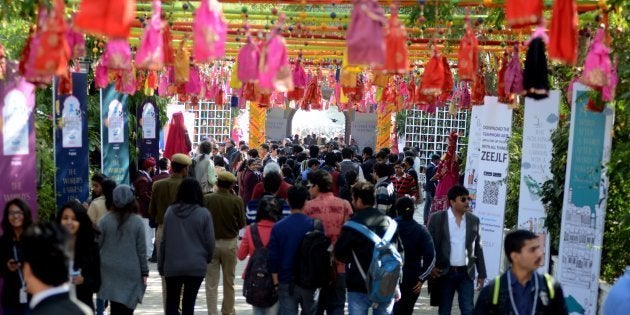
{"points": [[228, 216]]}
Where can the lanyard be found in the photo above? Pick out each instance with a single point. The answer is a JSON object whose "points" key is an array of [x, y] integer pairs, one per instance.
{"points": [[15, 256], [509, 277]]}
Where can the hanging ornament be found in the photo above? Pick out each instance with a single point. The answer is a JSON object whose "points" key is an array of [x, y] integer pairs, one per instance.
{"points": [[520, 14], [397, 56], [150, 54], [365, 39], [468, 57], [210, 30], [536, 73], [514, 74], [112, 18], [563, 33]]}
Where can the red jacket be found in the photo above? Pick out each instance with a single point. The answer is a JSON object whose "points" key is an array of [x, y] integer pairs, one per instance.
{"points": [[246, 248], [283, 191]]}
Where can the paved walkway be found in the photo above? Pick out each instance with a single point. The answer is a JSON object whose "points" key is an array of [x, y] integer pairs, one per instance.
{"points": [[152, 303]]}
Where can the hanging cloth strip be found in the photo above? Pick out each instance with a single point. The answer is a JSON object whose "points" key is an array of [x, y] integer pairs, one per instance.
{"points": [[563, 33], [150, 54], [111, 18]]}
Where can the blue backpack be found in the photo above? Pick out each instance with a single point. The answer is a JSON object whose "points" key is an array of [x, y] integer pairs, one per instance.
{"points": [[385, 269]]}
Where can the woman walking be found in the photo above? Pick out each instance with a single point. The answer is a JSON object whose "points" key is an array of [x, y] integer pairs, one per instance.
{"points": [[186, 248], [124, 268], [85, 266], [17, 217]]}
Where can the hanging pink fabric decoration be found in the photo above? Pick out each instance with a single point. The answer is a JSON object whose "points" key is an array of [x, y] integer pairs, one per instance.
{"points": [[461, 96], [248, 62], [597, 67], [275, 70], [29, 53], [210, 29], [193, 86], [100, 76], [76, 42], [52, 53], [117, 55], [514, 74], [150, 54], [365, 37]]}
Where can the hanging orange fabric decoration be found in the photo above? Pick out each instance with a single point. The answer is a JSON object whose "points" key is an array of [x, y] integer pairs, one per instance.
{"points": [[65, 84], [447, 87], [53, 52], [396, 54], [433, 78], [182, 63], [468, 58], [167, 47], [563, 33], [519, 13], [111, 18]]}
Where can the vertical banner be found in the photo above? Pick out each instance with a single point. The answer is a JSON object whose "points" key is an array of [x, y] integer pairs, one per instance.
{"points": [[473, 154], [148, 130], [71, 143], [18, 161], [276, 124], [496, 129], [114, 135], [383, 128], [257, 118], [363, 128], [541, 119], [584, 205]]}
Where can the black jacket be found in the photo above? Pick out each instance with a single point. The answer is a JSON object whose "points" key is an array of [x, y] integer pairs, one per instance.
{"points": [[60, 304], [545, 305], [419, 252], [431, 185], [352, 240], [12, 282]]}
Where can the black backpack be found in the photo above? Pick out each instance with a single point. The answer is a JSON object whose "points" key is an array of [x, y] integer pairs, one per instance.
{"points": [[258, 288], [313, 260]]}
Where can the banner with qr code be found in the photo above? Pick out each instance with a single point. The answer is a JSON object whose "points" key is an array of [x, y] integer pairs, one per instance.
{"points": [[540, 120], [584, 205], [496, 129]]}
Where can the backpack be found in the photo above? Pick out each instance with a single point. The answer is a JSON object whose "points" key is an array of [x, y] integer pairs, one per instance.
{"points": [[313, 260], [258, 288], [385, 269]]}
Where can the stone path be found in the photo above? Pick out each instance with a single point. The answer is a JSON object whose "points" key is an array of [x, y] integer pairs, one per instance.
{"points": [[152, 303]]}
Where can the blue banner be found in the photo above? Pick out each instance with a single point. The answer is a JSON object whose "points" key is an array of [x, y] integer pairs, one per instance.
{"points": [[114, 135], [71, 143], [148, 134]]}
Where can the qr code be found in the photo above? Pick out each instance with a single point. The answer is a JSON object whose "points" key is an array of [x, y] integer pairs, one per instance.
{"points": [[490, 192]]}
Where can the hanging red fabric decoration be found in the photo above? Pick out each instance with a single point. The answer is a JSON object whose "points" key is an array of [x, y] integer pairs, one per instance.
{"points": [[53, 52], [167, 47], [365, 38], [150, 54], [563, 32], [447, 87], [433, 78], [503, 96], [396, 54], [111, 18], [468, 58], [479, 89], [210, 29], [519, 13], [65, 84]]}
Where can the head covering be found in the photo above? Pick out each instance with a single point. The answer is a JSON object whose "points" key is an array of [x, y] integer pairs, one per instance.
{"points": [[226, 177], [150, 162], [123, 195], [182, 159]]}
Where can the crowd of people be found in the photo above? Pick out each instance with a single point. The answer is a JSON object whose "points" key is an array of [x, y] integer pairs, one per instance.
{"points": [[308, 217]]}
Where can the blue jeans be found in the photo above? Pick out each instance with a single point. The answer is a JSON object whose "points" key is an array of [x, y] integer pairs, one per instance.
{"points": [[332, 298], [174, 287], [360, 304], [460, 282], [271, 310], [289, 298]]}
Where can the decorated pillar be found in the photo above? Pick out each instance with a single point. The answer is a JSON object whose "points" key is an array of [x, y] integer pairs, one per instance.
{"points": [[257, 118], [384, 127]]}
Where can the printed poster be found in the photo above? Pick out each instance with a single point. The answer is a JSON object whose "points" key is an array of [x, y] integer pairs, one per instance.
{"points": [[71, 143], [363, 127], [540, 120], [114, 135], [18, 161], [471, 175], [148, 124], [584, 205], [496, 129]]}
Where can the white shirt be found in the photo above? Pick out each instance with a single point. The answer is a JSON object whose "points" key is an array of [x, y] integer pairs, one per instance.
{"points": [[37, 298], [457, 235]]}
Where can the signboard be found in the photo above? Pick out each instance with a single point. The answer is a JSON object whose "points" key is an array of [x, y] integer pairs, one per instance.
{"points": [[363, 128], [496, 129], [584, 204], [148, 130], [114, 135], [71, 143], [540, 120], [471, 175], [276, 124]]}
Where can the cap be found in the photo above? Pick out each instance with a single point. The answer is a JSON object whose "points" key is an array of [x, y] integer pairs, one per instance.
{"points": [[226, 177], [123, 195], [182, 159], [150, 162]]}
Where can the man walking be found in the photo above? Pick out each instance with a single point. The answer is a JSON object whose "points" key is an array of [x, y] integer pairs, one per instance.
{"points": [[458, 251], [352, 248], [284, 242], [228, 216], [333, 212], [521, 290]]}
